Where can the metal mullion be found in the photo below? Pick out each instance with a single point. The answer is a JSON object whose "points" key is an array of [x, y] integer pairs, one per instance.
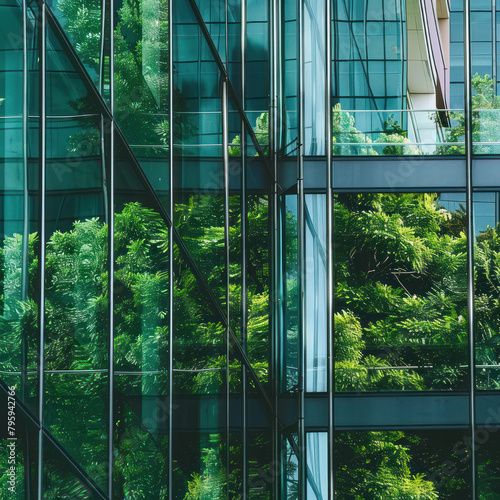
{"points": [[302, 466], [470, 236], [244, 291], [102, 45], [225, 153], [42, 188], [25, 247], [494, 37], [330, 308], [170, 253]]}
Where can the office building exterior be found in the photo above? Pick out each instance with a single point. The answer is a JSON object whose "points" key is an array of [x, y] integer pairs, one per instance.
{"points": [[249, 250]]}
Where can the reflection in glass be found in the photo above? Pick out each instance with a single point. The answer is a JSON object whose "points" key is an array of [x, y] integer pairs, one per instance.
{"points": [[427, 465], [258, 284], [197, 103], [76, 270], [141, 337], [315, 293], [199, 354], [291, 468], [289, 84], [317, 465], [19, 243], [290, 284], [261, 468], [401, 309], [314, 76], [487, 283], [488, 469], [60, 479], [84, 26], [141, 76]]}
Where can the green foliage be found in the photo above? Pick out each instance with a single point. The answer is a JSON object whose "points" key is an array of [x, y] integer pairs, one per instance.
{"points": [[141, 71], [400, 294], [348, 140], [377, 467], [485, 120], [261, 131], [77, 329]]}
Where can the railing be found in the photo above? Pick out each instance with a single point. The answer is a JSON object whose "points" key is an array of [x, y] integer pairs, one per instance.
{"points": [[397, 132]]}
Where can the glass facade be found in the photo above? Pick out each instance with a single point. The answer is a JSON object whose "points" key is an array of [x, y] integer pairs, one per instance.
{"points": [[249, 249]]}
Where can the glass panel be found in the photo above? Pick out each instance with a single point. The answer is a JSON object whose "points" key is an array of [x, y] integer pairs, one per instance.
{"points": [[89, 34], [314, 68], [317, 465], [315, 293], [199, 372], [257, 75], [290, 284], [392, 133], [289, 99], [141, 78], [199, 198], [237, 430], [384, 91], [234, 44], [76, 414], [487, 466], [258, 284], [213, 13], [486, 260], [141, 343], [402, 464], [19, 242], [61, 480], [365, 31], [19, 449], [291, 468], [76, 270], [198, 130], [400, 294], [262, 470]]}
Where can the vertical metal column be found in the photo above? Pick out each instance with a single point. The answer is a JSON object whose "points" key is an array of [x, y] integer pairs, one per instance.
{"points": [[111, 224], [494, 44], [171, 251], [225, 156], [244, 291], [43, 171], [330, 309], [25, 247], [302, 470], [470, 235], [276, 332]]}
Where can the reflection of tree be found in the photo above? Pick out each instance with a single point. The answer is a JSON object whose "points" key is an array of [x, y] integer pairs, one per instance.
{"points": [[400, 294], [261, 131], [141, 66], [485, 120], [377, 466], [77, 330], [348, 140]]}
